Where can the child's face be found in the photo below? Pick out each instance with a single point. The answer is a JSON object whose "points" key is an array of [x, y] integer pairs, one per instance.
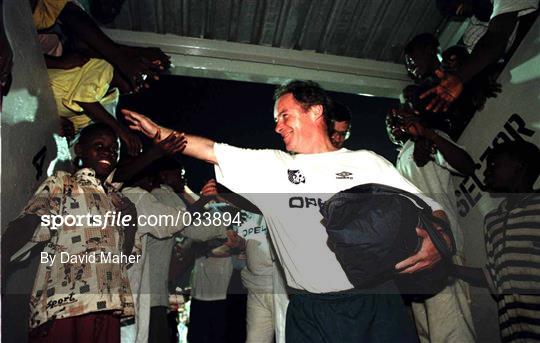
{"points": [[421, 63], [99, 152]]}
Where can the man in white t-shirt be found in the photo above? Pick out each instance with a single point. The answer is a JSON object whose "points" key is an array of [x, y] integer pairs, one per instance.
{"points": [[289, 190], [428, 158], [487, 50]]}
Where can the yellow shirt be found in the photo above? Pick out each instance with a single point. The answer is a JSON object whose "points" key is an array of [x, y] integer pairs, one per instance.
{"points": [[89, 83], [47, 12]]}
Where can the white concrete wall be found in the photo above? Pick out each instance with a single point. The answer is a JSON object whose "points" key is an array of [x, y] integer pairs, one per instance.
{"points": [[29, 115], [514, 114], [28, 121]]}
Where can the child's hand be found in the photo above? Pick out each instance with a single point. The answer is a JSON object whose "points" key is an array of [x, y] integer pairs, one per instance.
{"points": [[66, 128], [413, 127], [133, 67], [175, 142], [155, 57], [133, 142], [423, 152], [124, 207], [235, 241]]}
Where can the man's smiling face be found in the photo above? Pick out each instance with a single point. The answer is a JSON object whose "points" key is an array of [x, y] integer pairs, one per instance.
{"points": [[293, 123]]}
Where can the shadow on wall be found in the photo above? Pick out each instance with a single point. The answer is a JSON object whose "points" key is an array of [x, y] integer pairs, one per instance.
{"points": [[28, 121]]}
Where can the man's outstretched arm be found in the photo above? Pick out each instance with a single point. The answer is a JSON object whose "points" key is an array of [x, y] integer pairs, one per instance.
{"points": [[197, 147]]}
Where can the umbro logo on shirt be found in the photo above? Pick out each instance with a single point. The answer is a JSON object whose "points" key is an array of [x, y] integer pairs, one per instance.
{"points": [[296, 176], [344, 175]]}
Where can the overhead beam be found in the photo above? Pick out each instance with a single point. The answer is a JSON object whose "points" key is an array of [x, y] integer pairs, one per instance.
{"points": [[245, 62]]}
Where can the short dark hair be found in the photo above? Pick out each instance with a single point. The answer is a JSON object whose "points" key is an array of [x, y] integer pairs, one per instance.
{"points": [[307, 93], [340, 112], [522, 151], [422, 41], [92, 129]]}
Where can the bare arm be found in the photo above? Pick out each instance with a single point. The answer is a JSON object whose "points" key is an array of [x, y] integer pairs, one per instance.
{"points": [[490, 46], [488, 49], [67, 61], [197, 147], [458, 158], [471, 275], [84, 28]]}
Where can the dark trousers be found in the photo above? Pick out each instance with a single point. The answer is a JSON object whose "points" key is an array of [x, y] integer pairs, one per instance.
{"points": [[159, 330], [342, 318], [207, 321]]}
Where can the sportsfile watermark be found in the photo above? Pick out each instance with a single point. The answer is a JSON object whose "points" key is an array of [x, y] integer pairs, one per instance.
{"points": [[310, 231], [113, 218]]}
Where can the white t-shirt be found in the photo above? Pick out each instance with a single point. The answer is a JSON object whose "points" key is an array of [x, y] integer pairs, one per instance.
{"points": [[289, 189], [211, 275], [257, 275], [148, 276], [477, 28], [506, 6], [434, 180], [474, 31]]}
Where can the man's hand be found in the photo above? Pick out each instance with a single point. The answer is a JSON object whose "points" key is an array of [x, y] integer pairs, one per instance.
{"points": [[197, 147], [142, 123], [446, 92], [428, 255], [425, 258]]}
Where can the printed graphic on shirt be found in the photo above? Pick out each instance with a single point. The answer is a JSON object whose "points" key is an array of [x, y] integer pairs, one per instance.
{"points": [[296, 176], [344, 175]]}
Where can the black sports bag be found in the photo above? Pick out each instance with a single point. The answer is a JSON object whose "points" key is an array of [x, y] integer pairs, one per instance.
{"points": [[372, 227]]}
